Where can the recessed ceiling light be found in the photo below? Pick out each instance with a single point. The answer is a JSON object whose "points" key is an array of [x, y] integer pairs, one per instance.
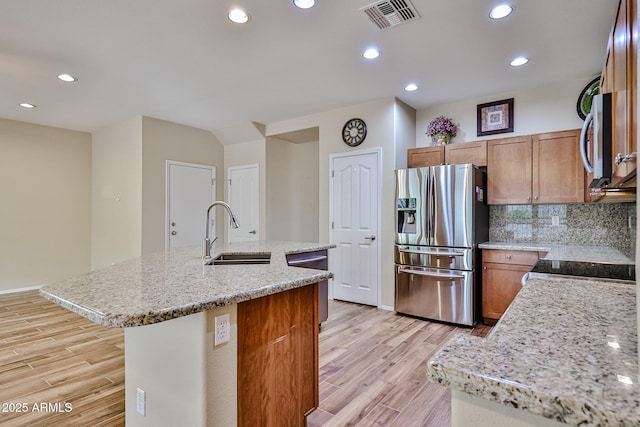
{"points": [[411, 87], [304, 4], [371, 53], [67, 78], [238, 16], [27, 105], [500, 11], [521, 60]]}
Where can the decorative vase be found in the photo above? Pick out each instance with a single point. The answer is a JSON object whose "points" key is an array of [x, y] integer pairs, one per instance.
{"points": [[440, 138]]}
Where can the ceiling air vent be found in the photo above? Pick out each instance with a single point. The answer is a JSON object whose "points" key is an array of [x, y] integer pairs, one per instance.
{"points": [[387, 14]]}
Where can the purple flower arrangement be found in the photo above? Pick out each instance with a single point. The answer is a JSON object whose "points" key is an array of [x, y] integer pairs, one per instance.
{"points": [[442, 124]]}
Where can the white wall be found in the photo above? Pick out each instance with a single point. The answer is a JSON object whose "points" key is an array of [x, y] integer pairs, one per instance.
{"points": [[405, 124], [379, 116], [292, 199], [162, 141], [116, 161], [45, 204], [536, 109], [129, 183], [187, 380]]}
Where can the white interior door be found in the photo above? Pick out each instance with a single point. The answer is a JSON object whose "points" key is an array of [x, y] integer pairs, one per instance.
{"points": [[355, 210], [244, 199], [190, 190]]}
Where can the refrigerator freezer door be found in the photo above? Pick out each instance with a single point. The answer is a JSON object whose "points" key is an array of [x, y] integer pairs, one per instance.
{"points": [[445, 295], [451, 198], [410, 209]]}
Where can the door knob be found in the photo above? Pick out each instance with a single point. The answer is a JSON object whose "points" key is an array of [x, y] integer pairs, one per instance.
{"points": [[252, 232], [173, 233], [372, 238]]}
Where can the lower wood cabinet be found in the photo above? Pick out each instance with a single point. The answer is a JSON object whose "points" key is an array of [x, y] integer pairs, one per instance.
{"points": [[502, 272], [278, 358]]}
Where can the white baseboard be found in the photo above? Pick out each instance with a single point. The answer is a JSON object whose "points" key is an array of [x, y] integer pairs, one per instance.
{"points": [[14, 291], [386, 307]]}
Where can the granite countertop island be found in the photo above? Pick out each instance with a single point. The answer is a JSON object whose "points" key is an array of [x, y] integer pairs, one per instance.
{"points": [[565, 351], [166, 285], [188, 367]]}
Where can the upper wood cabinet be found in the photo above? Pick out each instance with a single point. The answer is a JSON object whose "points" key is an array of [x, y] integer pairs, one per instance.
{"points": [[619, 78], [453, 154], [469, 152], [425, 156], [558, 173], [544, 168]]}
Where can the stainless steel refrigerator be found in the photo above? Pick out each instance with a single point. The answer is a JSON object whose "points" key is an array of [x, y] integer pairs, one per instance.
{"points": [[441, 216]]}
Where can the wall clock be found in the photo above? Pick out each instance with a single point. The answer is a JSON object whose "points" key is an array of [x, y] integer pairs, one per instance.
{"points": [[354, 132]]}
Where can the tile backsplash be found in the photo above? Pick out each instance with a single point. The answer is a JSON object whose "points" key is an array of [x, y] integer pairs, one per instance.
{"points": [[610, 224]]}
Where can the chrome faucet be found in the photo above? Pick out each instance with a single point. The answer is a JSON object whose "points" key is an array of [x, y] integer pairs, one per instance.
{"points": [[206, 244]]}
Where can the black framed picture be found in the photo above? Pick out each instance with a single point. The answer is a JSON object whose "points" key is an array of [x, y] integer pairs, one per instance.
{"points": [[495, 117]]}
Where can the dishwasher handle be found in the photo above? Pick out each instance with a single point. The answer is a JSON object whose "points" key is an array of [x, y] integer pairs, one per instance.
{"points": [[431, 273], [306, 260]]}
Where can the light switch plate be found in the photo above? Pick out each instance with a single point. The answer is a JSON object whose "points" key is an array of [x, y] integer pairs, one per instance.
{"points": [[141, 403]]}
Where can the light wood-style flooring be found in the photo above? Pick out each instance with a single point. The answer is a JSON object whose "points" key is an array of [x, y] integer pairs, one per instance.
{"points": [[49, 355], [372, 367]]}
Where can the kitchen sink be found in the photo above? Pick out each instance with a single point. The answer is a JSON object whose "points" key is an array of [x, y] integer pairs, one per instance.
{"points": [[242, 259]]}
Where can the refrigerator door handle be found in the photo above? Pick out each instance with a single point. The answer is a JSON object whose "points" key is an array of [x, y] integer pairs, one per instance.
{"points": [[427, 252], [431, 273]]}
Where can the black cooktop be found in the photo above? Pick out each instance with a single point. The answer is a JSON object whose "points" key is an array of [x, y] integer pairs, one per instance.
{"points": [[586, 269]]}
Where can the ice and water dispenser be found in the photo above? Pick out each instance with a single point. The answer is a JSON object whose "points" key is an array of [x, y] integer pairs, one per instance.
{"points": [[407, 215]]}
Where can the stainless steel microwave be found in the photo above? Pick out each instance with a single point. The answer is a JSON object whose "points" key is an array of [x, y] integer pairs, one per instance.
{"points": [[600, 121]]}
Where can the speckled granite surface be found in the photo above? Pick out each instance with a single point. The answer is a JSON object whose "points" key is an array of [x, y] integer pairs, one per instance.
{"points": [[566, 252], [166, 285], [599, 224], [550, 354]]}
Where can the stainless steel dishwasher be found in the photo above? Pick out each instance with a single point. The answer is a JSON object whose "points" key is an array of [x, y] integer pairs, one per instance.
{"points": [[316, 260]]}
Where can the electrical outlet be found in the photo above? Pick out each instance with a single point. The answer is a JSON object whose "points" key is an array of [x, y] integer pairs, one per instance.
{"points": [[555, 220], [141, 402], [222, 332]]}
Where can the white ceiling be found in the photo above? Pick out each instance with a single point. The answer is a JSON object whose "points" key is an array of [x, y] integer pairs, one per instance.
{"points": [[184, 61]]}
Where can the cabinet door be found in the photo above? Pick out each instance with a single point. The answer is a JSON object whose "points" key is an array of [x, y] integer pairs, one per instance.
{"points": [[278, 358], [426, 156], [500, 285], [624, 86], [558, 173], [470, 152], [509, 171]]}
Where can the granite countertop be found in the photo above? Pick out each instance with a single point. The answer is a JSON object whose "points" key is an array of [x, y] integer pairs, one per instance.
{"points": [[561, 252], [174, 283], [550, 354]]}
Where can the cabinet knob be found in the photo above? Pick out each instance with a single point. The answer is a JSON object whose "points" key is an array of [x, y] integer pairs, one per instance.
{"points": [[528, 197], [535, 198], [508, 256], [484, 267]]}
